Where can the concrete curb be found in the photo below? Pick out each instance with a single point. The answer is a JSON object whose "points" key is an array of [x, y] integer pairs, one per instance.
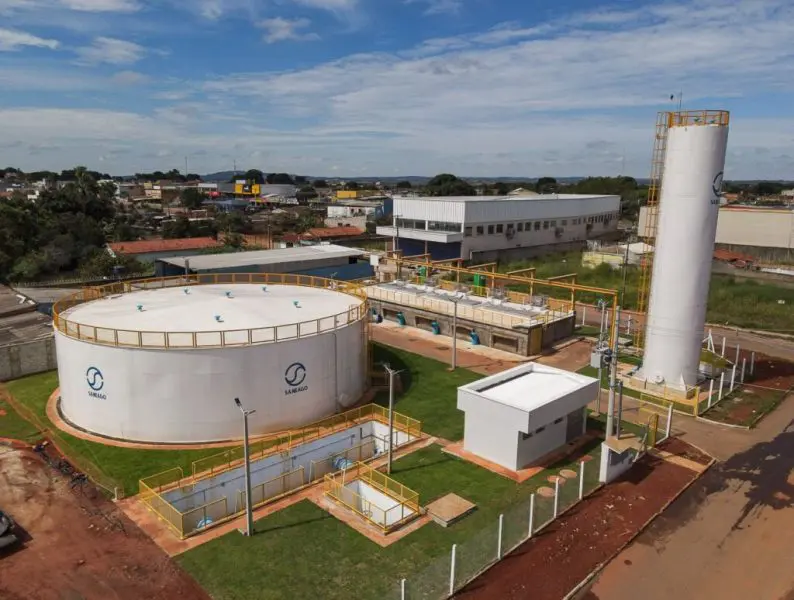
{"points": [[594, 573]]}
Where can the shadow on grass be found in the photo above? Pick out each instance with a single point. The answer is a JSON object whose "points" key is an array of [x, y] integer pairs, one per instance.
{"points": [[443, 460], [261, 530], [383, 355]]}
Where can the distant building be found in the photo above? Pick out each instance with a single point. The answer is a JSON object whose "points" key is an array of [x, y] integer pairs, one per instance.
{"points": [[324, 260], [486, 228], [765, 233], [152, 250]]}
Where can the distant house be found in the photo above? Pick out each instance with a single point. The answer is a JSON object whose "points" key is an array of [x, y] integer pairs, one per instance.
{"points": [[321, 234], [151, 250]]}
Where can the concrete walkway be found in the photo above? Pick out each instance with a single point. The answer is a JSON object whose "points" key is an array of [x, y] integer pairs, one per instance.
{"points": [[731, 535]]}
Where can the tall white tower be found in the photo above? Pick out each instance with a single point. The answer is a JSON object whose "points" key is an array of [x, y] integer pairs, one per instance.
{"points": [[688, 207]]}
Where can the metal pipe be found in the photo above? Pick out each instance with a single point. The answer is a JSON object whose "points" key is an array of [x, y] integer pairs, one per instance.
{"points": [[613, 379]]}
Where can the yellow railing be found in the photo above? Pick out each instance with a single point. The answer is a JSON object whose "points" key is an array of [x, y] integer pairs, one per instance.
{"points": [[208, 339], [406, 507], [358, 453], [216, 463], [698, 117]]}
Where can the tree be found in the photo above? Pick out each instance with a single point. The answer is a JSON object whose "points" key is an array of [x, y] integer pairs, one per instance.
{"points": [[307, 192], [192, 198], [279, 178], [253, 176], [546, 185], [352, 186], [301, 180], [447, 184], [500, 188], [403, 185], [319, 183]]}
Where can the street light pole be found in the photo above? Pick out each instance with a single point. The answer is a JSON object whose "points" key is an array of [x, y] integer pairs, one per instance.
{"points": [[249, 513], [392, 374]]}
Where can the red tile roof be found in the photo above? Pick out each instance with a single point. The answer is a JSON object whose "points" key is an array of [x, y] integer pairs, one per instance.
{"points": [[148, 246], [333, 232], [729, 256]]}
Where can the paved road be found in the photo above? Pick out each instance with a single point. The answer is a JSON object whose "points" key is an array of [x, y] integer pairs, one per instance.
{"points": [[731, 535]]}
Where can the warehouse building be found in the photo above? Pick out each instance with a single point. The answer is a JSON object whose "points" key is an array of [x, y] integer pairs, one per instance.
{"points": [[765, 233], [325, 260], [483, 228]]}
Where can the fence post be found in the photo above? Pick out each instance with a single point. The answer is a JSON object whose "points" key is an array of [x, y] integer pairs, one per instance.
{"points": [[556, 495], [722, 385], [722, 352], [584, 315], [711, 391], [499, 538], [669, 428], [737, 353], [531, 514], [744, 363], [733, 376], [452, 570], [752, 364], [402, 589], [581, 480]]}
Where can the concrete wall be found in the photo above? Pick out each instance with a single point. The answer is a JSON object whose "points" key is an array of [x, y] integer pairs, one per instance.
{"points": [[490, 429], [369, 500], [27, 358], [539, 442]]}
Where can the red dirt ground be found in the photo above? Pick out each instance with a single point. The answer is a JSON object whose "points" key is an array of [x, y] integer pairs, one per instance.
{"points": [[76, 544], [680, 448], [551, 564], [769, 371]]}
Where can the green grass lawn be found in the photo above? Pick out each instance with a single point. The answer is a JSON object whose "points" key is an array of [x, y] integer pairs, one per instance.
{"points": [[303, 552], [15, 427], [430, 391], [123, 466]]}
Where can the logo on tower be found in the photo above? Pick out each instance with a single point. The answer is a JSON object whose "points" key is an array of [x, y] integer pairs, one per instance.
{"points": [[716, 188], [294, 376], [96, 382]]}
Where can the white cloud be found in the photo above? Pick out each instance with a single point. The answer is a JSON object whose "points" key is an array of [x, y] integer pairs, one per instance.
{"points": [[439, 7], [112, 51], [11, 39], [130, 78], [124, 6], [280, 30], [332, 5]]}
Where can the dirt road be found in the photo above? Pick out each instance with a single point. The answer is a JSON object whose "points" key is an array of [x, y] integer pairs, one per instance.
{"points": [[731, 534], [76, 544]]}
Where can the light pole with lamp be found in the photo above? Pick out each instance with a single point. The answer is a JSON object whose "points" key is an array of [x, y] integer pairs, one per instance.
{"points": [[392, 374], [249, 513]]}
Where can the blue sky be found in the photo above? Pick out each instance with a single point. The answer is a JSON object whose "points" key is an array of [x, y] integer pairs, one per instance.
{"points": [[388, 87]]}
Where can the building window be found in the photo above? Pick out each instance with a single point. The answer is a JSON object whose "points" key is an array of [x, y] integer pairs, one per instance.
{"points": [[480, 230], [443, 226], [537, 225], [490, 229], [540, 429], [545, 224], [564, 222], [520, 227], [467, 231], [528, 225], [500, 228], [558, 421], [526, 436]]}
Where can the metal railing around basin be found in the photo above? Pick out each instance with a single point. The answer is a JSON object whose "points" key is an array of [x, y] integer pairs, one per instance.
{"points": [[208, 339]]}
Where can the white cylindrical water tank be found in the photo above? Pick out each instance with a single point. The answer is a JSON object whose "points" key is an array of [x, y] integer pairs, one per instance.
{"points": [[687, 227]]}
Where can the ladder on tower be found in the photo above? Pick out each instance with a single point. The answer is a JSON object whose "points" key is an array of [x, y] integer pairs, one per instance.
{"points": [[651, 219]]}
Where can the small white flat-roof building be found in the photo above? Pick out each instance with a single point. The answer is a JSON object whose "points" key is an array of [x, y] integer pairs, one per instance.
{"points": [[516, 417]]}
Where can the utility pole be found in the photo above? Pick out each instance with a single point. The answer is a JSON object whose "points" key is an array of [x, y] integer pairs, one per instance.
{"points": [[613, 377], [455, 334], [392, 373], [249, 513]]}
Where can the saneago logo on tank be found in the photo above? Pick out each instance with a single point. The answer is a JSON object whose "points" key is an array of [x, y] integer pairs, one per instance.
{"points": [[96, 382], [294, 376]]}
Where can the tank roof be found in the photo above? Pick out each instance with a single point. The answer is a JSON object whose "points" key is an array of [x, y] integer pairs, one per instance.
{"points": [[194, 308]]}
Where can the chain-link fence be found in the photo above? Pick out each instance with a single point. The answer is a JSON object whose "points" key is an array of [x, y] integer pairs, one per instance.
{"points": [[450, 572]]}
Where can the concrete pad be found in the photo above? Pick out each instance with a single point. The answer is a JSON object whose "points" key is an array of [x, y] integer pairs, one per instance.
{"points": [[450, 509]]}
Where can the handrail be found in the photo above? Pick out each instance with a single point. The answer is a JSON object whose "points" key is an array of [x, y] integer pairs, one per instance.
{"points": [[109, 336]]}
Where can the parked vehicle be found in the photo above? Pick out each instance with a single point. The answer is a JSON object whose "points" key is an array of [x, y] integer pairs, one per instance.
{"points": [[7, 538]]}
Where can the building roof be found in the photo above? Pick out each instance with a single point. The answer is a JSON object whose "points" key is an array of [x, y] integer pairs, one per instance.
{"points": [[333, 232], [519, 198], [263, 257], [530, 386], [149, 246], [19, 319]]}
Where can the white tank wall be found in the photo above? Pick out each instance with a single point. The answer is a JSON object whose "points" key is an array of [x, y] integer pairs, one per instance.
{"points": [[188, 396], [687, 226]]}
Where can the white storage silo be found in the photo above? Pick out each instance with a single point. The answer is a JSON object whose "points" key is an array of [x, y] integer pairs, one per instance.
{"points": [[164, 365], [687, 226]]}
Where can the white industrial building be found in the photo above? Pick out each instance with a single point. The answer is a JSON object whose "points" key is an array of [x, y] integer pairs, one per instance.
{"points": [[484, 228], [518, 416]]}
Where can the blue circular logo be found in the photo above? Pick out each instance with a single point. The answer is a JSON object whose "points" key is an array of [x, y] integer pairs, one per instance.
{"points": [[716, 185], [295, 374], [93, 377]]}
